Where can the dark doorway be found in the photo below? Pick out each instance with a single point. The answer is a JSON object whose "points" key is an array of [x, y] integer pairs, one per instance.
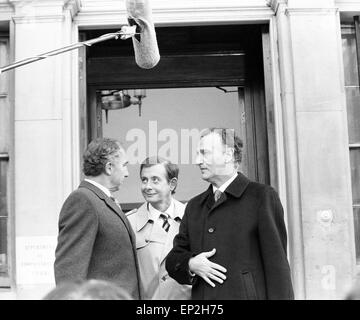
{"points": [[222, 56]]}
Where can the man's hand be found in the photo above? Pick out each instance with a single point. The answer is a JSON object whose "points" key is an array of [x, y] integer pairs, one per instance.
{"points": [[206, 269]]}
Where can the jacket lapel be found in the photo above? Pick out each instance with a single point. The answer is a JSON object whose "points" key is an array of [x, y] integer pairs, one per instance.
{"points": [[235, 189], [121, 214], [110, 203], [207, 198], [142, 217], [238, 186], [219, 202], [154, 232]]}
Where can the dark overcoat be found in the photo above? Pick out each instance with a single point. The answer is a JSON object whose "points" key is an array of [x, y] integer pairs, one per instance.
{"points": [[246, 226], [96, 241]]}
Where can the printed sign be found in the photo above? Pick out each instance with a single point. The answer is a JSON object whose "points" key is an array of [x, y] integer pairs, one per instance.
{"points": [[35, 258]]}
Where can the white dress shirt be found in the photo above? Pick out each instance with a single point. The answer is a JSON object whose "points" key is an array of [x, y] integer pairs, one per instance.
{"points": [[100, 186], [223, 187], [154, 214]]}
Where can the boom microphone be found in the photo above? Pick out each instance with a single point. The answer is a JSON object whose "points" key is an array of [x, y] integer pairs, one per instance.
{"points": [[145, 44]]}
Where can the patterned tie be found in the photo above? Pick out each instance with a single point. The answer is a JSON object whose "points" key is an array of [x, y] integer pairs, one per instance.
{"points": [[116, 201], [166, 224], [217, 195]]}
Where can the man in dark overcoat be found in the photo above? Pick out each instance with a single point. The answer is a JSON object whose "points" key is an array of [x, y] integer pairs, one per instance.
{"points": [[232, 239], [95, 238]]}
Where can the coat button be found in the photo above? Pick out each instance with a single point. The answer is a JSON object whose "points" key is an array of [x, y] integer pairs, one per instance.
{"points": [[163, 278], [211, 230]]}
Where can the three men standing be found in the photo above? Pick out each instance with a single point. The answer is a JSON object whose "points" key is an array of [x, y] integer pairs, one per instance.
{"points": [[230, 244]]}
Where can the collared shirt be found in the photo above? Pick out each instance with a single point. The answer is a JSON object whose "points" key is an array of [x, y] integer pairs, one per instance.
{"points": [[223, 187], [153, 244], [154, 214], [100, 186]]}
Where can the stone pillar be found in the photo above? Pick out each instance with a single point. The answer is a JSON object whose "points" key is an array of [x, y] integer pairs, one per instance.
{"points": [[321, 237], [44, 140]]}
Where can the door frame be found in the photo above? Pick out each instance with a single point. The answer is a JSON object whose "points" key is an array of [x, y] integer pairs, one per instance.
{"points": [[256, 145], [256, 113]]}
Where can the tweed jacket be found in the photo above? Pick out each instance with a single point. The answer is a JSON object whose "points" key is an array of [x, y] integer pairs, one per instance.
{"points": [[95, 241], [246, 226], [153, 244]]}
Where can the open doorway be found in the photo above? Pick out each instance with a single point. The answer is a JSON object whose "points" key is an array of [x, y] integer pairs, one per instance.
{"points": [[169, 126], [207, 76]]}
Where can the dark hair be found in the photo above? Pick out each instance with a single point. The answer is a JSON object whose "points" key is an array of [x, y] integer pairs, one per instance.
{"points": [[87, 290], [172, 169], [98, 153], [228, 139]]}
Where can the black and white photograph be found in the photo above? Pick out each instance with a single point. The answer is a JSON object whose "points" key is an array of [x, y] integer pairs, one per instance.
{"points": [[179, 154]]}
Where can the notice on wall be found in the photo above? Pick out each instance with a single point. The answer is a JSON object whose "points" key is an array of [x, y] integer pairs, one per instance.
{"points": [[35, 258]]}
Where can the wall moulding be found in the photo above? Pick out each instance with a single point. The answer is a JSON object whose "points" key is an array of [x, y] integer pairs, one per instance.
{"points": [[116, 4], [39, 2], [6, 12], [348, 5], [340, 5], [38, 19], [172, 16], [311, 11], [107, 12], [37, 9]]}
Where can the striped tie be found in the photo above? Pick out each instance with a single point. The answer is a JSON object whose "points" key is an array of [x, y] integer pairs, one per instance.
{"points": [[166, 224], [217, 195]]}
